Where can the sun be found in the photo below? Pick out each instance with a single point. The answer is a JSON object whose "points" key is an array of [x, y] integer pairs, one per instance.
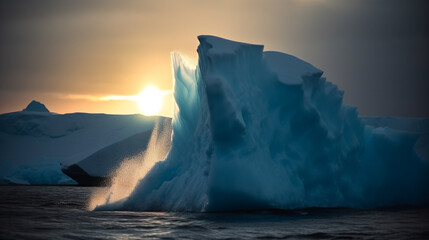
{"points": [[150, 101]]}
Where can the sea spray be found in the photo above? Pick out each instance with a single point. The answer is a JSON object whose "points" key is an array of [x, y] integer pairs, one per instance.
{"points": [[132, 169]]}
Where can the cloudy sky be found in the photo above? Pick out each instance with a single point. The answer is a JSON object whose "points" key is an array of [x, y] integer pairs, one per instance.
{"points": [[59, 52]]}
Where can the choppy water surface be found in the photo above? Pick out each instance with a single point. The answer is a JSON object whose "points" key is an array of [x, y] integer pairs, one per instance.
{"points": [[52, 212]]}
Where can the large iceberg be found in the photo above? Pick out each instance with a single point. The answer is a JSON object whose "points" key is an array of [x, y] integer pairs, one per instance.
{"points": [[265, 130]]}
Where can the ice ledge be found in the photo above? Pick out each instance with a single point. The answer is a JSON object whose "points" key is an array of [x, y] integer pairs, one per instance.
{"points": [[290, 69], [220, 46]]}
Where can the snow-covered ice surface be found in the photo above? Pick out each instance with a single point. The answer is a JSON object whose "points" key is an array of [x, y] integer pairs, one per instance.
{"points": [[33, 144], [264, 130]]}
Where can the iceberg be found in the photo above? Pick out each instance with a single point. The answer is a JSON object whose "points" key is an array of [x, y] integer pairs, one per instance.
{"points": [[266, 130]]}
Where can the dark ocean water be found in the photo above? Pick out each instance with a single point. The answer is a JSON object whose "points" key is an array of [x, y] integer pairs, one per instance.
{"points": [[59, 212]]}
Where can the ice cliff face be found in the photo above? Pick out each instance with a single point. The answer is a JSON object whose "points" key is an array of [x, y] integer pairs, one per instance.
{"points": [[259, 130]]}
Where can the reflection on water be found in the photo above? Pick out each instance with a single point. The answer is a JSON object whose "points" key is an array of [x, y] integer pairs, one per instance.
{"points": [[53, 212]]}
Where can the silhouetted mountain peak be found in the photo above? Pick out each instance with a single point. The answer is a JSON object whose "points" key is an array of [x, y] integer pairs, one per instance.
{"points": [[36, 106]]}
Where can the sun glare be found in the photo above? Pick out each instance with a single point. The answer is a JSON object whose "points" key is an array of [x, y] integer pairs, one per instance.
{"points": [[150, 101]]}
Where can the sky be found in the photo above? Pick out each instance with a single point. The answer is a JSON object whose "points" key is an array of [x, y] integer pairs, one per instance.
{"points": [[70, 54]]}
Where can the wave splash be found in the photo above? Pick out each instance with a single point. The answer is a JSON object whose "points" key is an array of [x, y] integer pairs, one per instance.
{"points": [[126, 177]]}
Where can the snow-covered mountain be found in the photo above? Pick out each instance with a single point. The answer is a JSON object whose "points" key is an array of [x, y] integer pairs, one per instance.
{"points": [[34, 144]]}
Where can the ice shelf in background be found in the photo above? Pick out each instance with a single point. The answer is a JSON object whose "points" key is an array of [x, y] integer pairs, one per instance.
{"points": [[33, 144]]}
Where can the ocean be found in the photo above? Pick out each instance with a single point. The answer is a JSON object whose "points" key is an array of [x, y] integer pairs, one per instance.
{"points": [[60, 212]]}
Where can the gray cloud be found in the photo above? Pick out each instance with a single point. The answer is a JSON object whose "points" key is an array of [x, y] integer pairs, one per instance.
{"points": [[377, 51]]}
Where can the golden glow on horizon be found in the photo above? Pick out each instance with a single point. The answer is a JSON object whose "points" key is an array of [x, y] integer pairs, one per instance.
{"points": [[150, 101]]}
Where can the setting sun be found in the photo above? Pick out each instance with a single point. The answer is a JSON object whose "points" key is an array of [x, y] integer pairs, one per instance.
{"points": [[150, 101]]}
